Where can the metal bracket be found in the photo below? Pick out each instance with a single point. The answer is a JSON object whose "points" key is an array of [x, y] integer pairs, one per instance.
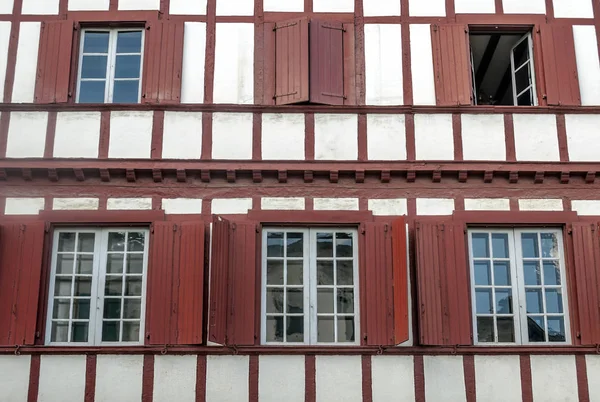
{"points": [[284, 26], [281, 96]]}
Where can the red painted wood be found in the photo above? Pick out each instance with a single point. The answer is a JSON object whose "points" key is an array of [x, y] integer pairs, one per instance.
{"points": [[582, 379], [457, 135], [469, 373], [350, 64], [563, 144], [219, 275], [309, 136], [291, 61], [515, 217], [314, 217], [201, 379], [310, 381], [367, 379], [253, 376], [54, 62], [406, 59], [526, 387], [400, 281], [102, 217], [50, 135], [419, 372], [148, 379], [327, 62], [90, 378], [158, 121], [34, 379]]}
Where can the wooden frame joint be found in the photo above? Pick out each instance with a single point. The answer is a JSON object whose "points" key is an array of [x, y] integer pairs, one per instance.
{"points": [[359, 176], [513, 177], [565, 177], [386, 176], [230, 175], [411, 176], [308, 176], [205, 175], [104, 175], [257, 176], [334, 176], [539, 177], [282, 176], [463, 175], [181, 175], [52, 175], [436, 176], [79, 175], [488, 176], [157, 175], [130, 175], [590, 177]]}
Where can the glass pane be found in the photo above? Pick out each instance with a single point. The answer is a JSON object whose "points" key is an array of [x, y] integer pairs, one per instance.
{"points": [[345, 272], [521, 53], [549, 245], [135, 241], [64, 264], [556, 329], [114, 264], [95, 42], [532, 273], [324, 245], [62, 286], [61, 308], [295, 329], [502, 273], [480, 245], [274, 244], [135, 263], [504, 301], [113, 286], [295, 301], [554, 302], [81, 309], [110, 331], [500, 245], [131, 331], [274, 272], [345, 301], [483, 301], [274, 329], [127, 67], [274, 300], [295, 244], [506, 329], [129, 42], [525, 99], [482, 273], [324, 272], [86, 242], [522, 78], [112, 308], [132, 308], [79, 332], [343, 245], [485, 329], [133, 286], [126, 91], [534, 300], [85, 264], [93, 67], [324, 301], [529, 243], [116, 241], [295, 272], [345, 329], [535, 329], [325, 331], [66, 242], [551, 273], [59, 332], [92, 91]]}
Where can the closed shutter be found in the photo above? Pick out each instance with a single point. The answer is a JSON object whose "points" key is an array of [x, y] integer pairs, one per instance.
{"points": [[163, 62], [21, 249], [327, 62], [443, 284], [54, 62], [586, 250], [291, 61], [452, 70], [560, 65]]}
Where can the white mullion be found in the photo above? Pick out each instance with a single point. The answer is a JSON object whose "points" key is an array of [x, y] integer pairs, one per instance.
{"points": [[493, 281], [103, 261], [542, 288], [111, 61], [532, 69], [94, 299], [142, 324], [356, 285], [335, 293], [307, 287], [314, 317], [123, 279], [514, 281], [72, 296], [285, 288]]}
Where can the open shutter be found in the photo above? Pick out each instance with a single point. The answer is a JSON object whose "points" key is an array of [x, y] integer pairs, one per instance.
{"points": [[586, 249], [452, 72], [443, 284], [560, 65], [400, 275], [21, 248], [219, 274], [54, 62], [327, 62], [163, 62], [291, 61]]}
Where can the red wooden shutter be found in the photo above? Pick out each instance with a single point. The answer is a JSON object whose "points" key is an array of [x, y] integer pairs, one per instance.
{"points": [[291, 61], [219, 275], [163, 62], [586, 249], [452, 70], [21, 248], [400, 275], [443, 284], [560, 65], [54, 62], [327, 62]]}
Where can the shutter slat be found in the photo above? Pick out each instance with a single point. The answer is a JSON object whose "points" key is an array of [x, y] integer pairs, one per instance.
{"points": [[452, 71], [560, 65], [400, 280], [291, 61], [54, 62], [327, 62], [219, 272]]}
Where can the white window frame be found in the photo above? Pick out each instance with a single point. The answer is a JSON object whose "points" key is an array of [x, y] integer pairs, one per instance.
{"points": [[97, 286], [513, 70], [310, 286], [518, 286], [111, 60]]}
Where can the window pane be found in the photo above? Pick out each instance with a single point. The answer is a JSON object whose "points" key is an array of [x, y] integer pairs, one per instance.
{"points": [[131, 331], [114, 264], [480, 245], [506, 329], [295, 329], [522, 78], [86, 242], [295, 244], [135, 263], [345, 301], [295, 301], [132, 308], [66, 242], [126, 91], [59, 332], [502, 273], [325, 331], [345, 272], [549, 245], [95, 42], [535, 329], [556, 329], [485, 329], [343, 244], [133, 286], [93, 67], [79, 332], [274, 301], [526, 98], [127, 67], [135, 241], [274, 244], [129, 42], [61, 308], [295, 272], [324, 245], [554, 302], [345, 329], [274, 272], [483, 301], [529, 243], [325, 273], [91, 92], [551, 273], [534, 300], [113, 286], [532, 273], [110, 331], [81, 309], [482, 273], [500, 245], [85, 264], [64, 264], [116, 241], [62, 286], [324, 301], [112, 308], [274, 327], [504, 301], [521, 53]]}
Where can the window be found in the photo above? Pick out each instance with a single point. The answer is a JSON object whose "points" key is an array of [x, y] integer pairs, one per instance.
{"points": [[309, 286], [97, 287], [518, 286], [110, 66]]}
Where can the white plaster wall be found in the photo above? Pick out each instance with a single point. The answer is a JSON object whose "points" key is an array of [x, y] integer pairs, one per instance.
{"points": [[483, 137], [23, 206], [128, 203], [588, 64], [282, 136], [474, 6], [336, 137], [593, 373], [232, 136], [194, 47], [573, 9], [62, 378], [335, 204], [39, 7], [421, 61], [425, 8], [182, 205], [586, 207], [282, 203], [339, 378], [227, 378], [388, 207], [281, 375], [175, 378], [139, 4], [130, 134], [235, 7], [119, 378], [386, 137], [383, 64], [380, 7], [231, 205], [6, 7], [524, 7], [582, 136], [536, 138], [27, 134], [77, 135], [498, 378], [435, 206], [393, 378], [433, 137], [234, 63], [14, 378], [64, 204], [5, 27], [333, 6], [187, 7], [182, 135], [444, 378], [554, 378], [88, 5], [288, 5], [541, 205], [26, 64], [487, 204]]}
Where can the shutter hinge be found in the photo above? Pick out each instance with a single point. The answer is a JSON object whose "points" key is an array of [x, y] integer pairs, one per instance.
{"points": [[334, 27], [152, 228], [385, 227], [276, 27], [46, 227], [333, 95], [256, 229], [570, 230], [281, 96], [175, 227]]}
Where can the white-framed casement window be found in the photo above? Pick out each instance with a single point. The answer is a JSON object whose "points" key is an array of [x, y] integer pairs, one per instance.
{"points": [[523, 73], [518, 284], [97, 286], [310, 286], [110, 65]]}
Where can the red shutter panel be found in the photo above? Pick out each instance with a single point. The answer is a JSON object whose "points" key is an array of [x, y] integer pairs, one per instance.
{"points": [[327, 62], [452, 70], [21, 249], [560, 65], [291, 61], [586, 249], [219, 275], [54, 62], [400, 275]]}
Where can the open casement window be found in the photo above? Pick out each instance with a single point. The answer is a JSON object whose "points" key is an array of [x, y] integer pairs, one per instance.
{"points": [[523, 72]]}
